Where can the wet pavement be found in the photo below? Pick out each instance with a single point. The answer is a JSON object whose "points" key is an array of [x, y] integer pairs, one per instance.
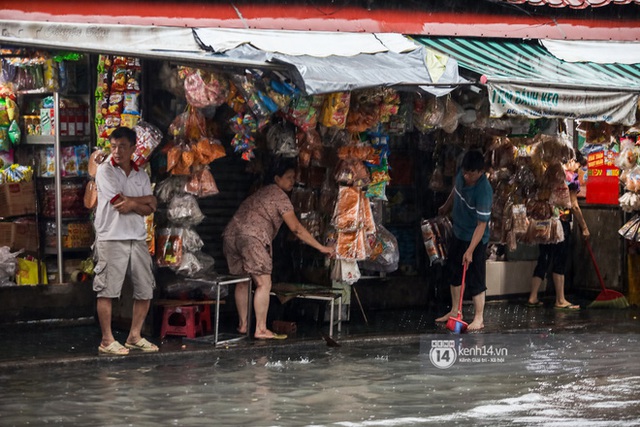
{"points": [[56, 342]]}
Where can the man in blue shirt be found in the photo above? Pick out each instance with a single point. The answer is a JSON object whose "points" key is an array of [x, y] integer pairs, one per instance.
{"points": [[471, 200]]}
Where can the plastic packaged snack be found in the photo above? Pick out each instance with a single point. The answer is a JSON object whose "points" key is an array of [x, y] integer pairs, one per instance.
{"points": [[335, 109], [205, 88], [345, 216], [202, 184], [184, 210], [428, 112], [281, 140], [82, 159], [69, 161], [148, 137], [303, 111], [169, 247]]}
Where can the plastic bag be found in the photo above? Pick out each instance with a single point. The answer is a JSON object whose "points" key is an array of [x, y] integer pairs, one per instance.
{"points": [[428, 112], [191, 241], [202, 184], [436, 235], [345, 271], [8, 265], [184, 210], [281, 140], [27, 273], [335, 109], [386, 257], [204, 88], [169, 247], [207, 150], [168, 188], [303, 111], [345, 215], [148, 137]]}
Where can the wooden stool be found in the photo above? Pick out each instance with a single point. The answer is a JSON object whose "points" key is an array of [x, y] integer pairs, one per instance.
{"points": [[182, 321]]}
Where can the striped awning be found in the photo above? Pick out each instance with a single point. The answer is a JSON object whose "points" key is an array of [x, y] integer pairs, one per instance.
{"points": [[523, 78], [527, 62]]}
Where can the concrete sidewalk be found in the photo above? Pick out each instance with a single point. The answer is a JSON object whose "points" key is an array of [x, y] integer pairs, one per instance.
{"points": [[42, 343]]}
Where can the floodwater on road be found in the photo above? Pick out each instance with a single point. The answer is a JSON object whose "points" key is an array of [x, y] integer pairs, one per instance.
{"points": [[529, 379]]}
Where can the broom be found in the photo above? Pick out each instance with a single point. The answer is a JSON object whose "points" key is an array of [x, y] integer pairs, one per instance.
{"points": [[607, 298], [456, 324]]}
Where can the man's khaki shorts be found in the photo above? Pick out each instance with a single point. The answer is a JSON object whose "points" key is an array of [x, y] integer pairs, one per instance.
{"points": [[119, 258]]}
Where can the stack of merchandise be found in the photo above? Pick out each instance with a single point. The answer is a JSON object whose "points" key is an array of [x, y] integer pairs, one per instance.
{"points": [[117, 95]]}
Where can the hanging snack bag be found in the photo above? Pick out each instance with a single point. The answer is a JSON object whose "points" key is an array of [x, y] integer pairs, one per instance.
{"points": [[345, 215], [184, 210], [335, 109], [148, 137], [205, 88], [202, 184], [169, 247], [207, 150], [430, 244], [428, 112], [303, 111], [254, 99]]}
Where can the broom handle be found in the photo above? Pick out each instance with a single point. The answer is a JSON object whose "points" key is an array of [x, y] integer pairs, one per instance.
{"points": [[595, 264], [464, 275]]}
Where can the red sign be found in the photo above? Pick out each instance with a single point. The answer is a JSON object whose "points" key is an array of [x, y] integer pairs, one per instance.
{"points": [[603, 182]]}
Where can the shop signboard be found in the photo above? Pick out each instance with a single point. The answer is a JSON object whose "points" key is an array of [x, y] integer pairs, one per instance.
{"points": [[603, 178], [552, 102]]}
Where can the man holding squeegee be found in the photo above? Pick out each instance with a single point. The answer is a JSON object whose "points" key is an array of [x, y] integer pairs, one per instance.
{"points": [[470, 204]]}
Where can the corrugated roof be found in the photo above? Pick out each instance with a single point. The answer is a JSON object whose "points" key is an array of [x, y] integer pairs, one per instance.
{"points": [[573, 4], [527, 62]]}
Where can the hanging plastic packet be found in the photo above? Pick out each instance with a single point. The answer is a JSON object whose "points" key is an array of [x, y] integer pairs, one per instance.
{"points": [[184, 210], [169, 247], [335, 109], [148, 137], [255, 99], [303, 111], [281, 140], [244, 125]]}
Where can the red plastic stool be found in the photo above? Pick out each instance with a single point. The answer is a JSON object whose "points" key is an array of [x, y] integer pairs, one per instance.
{"points": [[205, 318], [183, 321]]}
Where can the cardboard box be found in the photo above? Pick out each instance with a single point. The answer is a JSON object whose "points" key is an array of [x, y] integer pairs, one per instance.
{"points": [[17, 199], [19, 235]]}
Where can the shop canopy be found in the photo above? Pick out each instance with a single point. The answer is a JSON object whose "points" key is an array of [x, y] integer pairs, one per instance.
{"points": [[331, 62], [523, 78], [319, 62]]}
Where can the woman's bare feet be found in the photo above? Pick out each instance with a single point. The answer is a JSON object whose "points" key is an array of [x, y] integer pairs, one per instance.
{"points": [[264, 335], [446, 317], [476, 325]]}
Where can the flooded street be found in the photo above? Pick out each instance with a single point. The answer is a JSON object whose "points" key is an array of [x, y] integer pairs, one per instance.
{"points": [[529, 379]]}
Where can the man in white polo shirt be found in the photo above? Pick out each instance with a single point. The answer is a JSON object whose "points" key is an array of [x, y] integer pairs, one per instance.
{"points": [[124, 199]]}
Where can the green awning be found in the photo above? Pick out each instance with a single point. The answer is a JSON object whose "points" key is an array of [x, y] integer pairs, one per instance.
{"points": [[524, 79], [527, 62]]}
